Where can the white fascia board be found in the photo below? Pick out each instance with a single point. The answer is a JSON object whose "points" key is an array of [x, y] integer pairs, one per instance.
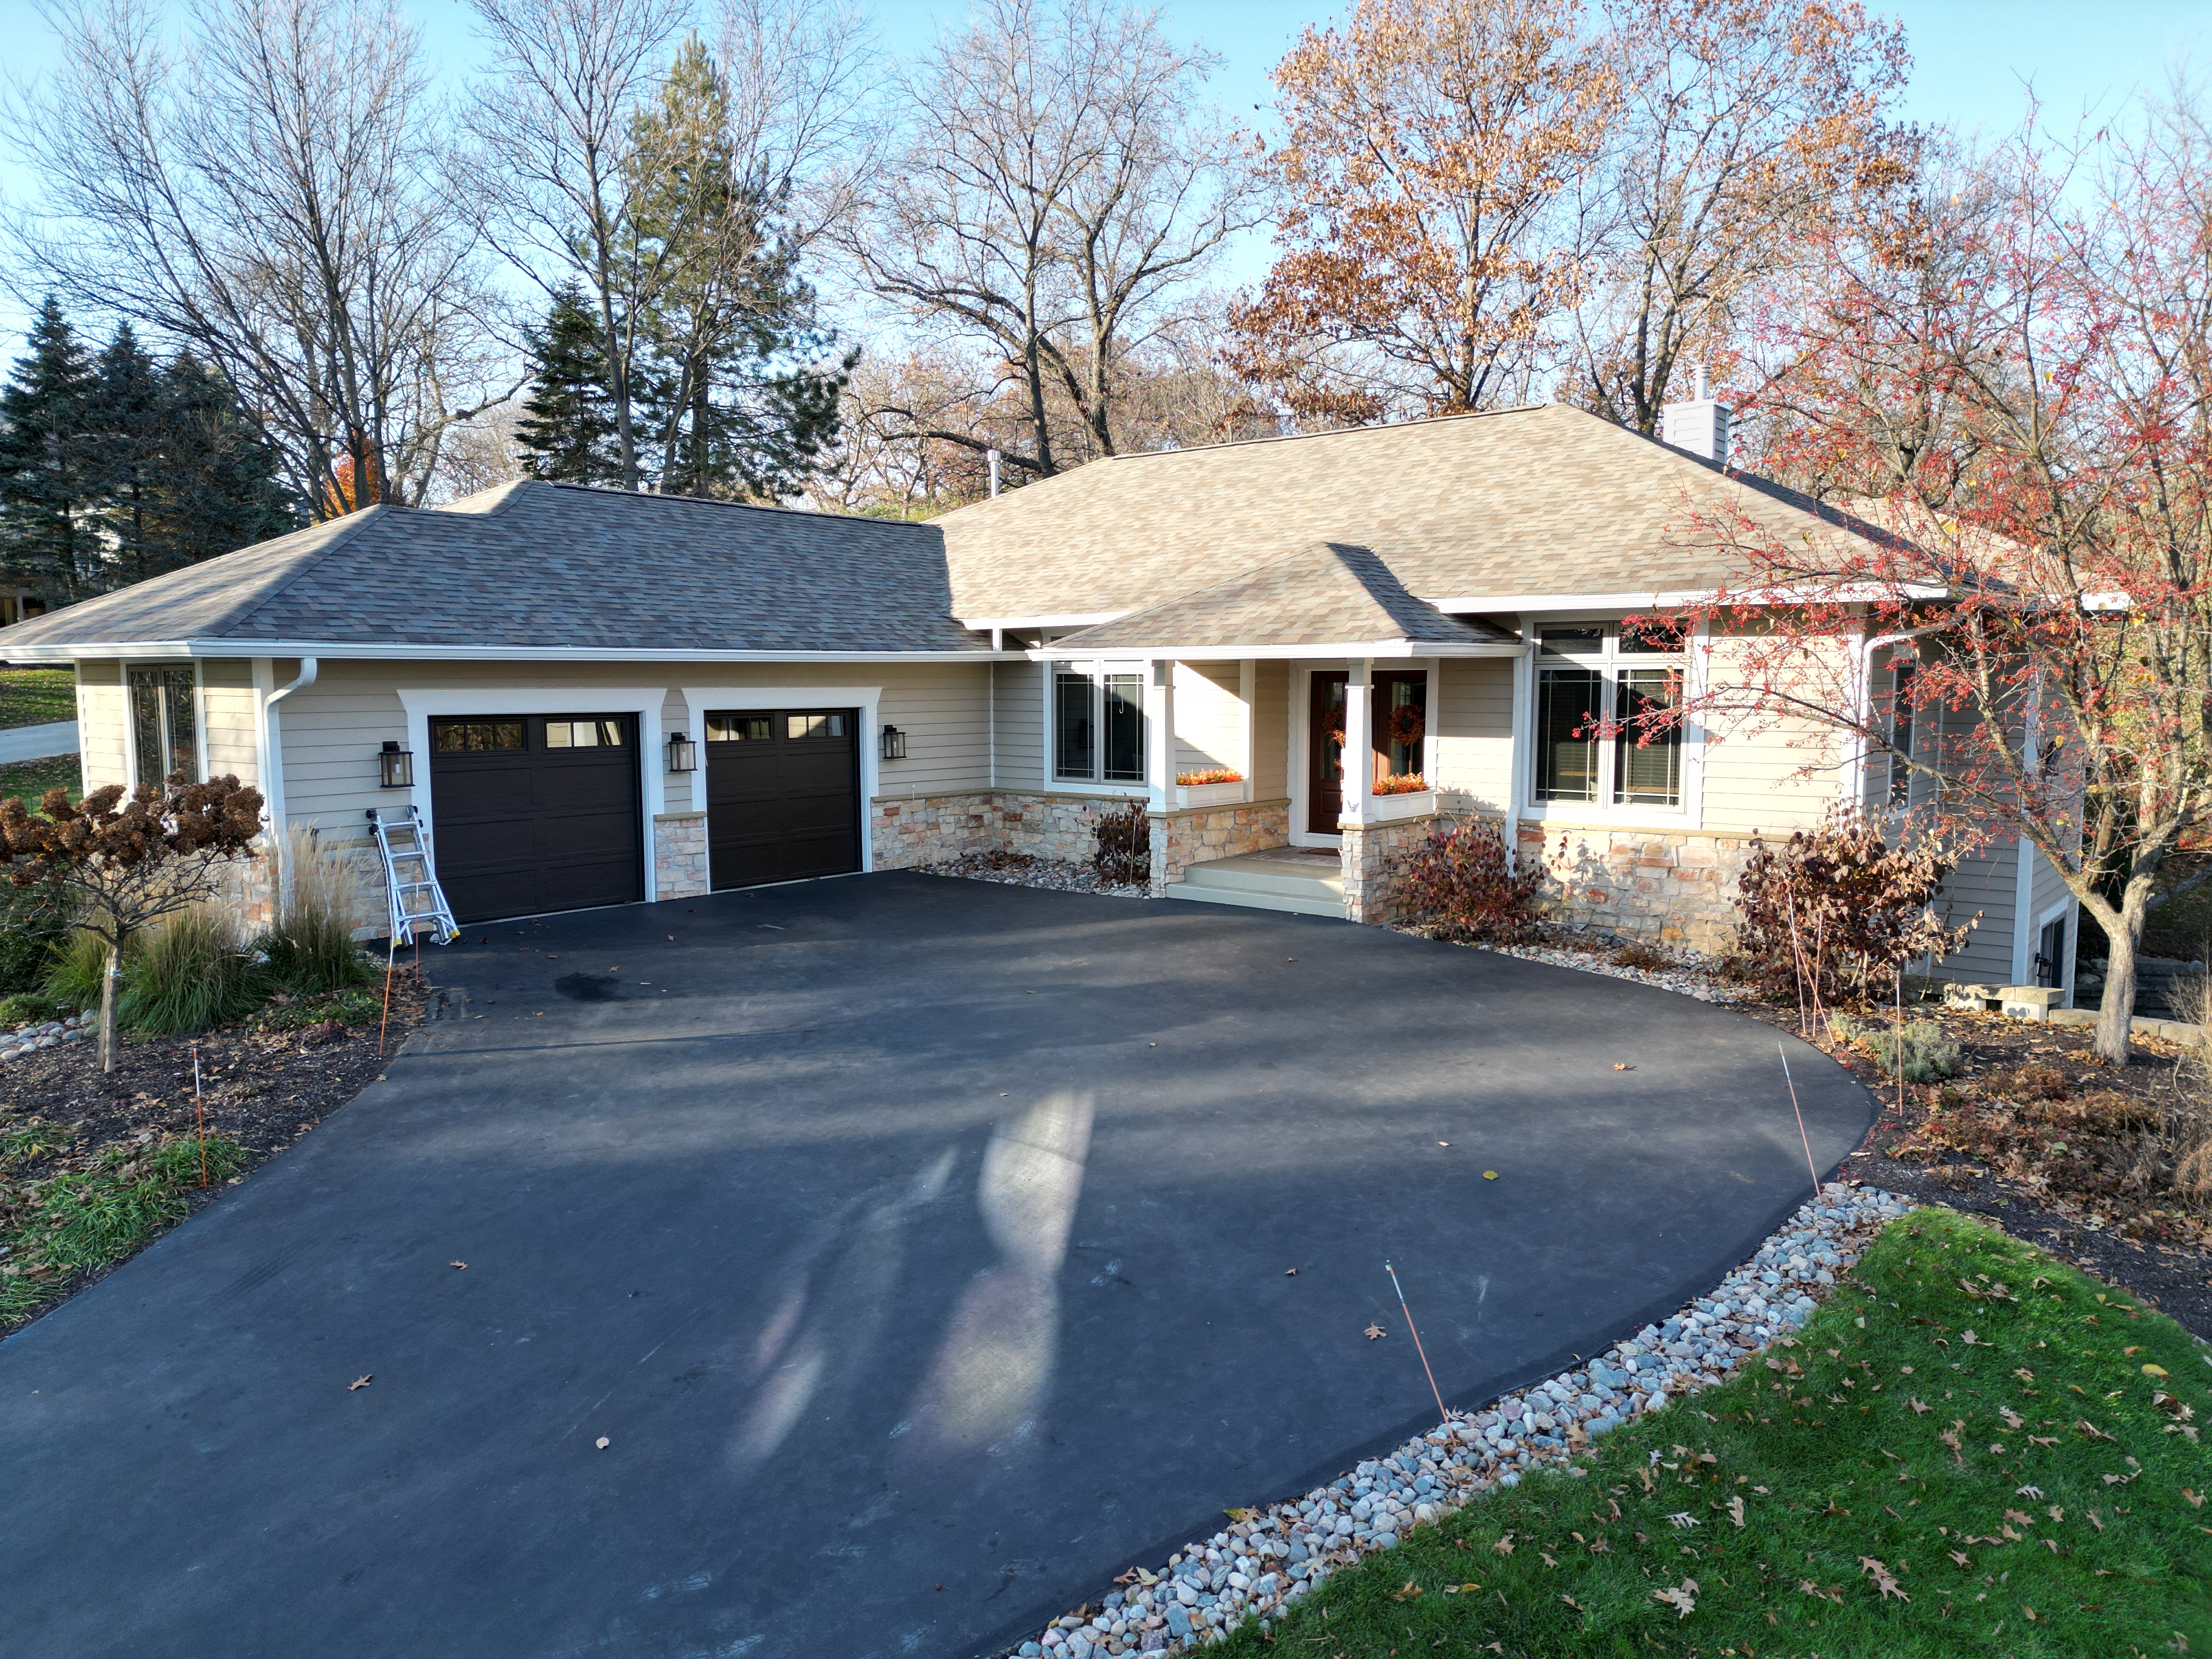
{"points": [[352, 651], [1849, 593], [1383, 650], [1071, 619]]}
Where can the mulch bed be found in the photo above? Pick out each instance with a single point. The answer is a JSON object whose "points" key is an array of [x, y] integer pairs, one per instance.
{"points": [[2075, 1210], [264, 1089]]}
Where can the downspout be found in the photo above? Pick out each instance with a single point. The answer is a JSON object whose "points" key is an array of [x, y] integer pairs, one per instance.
{"points": [[272, 779], [1864, 712]]}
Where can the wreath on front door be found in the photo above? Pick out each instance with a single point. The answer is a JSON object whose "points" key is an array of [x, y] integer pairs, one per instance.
{"points": [[1409, 725]]}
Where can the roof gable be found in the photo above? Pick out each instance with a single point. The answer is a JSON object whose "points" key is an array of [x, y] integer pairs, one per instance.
{"points": [[1545, 500], [1328, 594]]}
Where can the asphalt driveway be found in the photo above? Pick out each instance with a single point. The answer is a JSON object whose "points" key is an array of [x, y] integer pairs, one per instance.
{"points": [[917, 1247]]}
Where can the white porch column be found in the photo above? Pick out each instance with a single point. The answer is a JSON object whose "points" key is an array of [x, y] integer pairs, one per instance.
{"points": [[1247, 676], [1359, 741], [1160, 735]]}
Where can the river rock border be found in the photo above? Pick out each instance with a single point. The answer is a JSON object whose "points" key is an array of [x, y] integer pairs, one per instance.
{"points": [[1269, 1558]]}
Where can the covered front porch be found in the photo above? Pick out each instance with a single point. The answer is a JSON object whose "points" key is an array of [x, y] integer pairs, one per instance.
{"points": [[1300, 723]]}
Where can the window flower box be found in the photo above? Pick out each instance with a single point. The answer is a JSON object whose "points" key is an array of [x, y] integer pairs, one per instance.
{"points": [[1412, 803], [1220, 792]]}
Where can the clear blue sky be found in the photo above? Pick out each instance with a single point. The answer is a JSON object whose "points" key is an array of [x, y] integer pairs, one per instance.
{"points": [[1972, 61]]}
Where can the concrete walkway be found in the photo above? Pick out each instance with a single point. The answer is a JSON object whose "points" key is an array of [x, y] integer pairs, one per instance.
{"points": [[23, 742], [919, 1248]]}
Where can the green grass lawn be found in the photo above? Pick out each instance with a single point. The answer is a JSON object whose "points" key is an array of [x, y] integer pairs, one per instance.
{"points": [[31, 697], [1970, 1449], [30, 780]]}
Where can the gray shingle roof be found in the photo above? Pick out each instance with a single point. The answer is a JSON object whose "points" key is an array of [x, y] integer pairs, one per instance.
{"points": [[1326, 594], [550, 566], [1548, 500]]}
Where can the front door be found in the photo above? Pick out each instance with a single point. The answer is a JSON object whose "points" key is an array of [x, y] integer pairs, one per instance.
{"points": [[1399, 713], [1325, 745]]}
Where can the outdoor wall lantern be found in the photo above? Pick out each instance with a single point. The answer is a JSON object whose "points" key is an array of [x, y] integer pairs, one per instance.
{"points": [[396, 765], [894, 746], [683, 753]]}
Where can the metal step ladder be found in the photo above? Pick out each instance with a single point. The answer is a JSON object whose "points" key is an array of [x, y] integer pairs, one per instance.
{"points": [[411, 880]]}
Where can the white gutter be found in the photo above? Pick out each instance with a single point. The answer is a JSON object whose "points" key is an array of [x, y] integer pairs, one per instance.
{"points": [[358, 650]]}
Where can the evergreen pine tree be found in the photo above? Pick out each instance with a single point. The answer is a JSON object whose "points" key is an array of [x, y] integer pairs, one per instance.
{"points": [[123, 414], [567, 433], [739, 394], [48, 541], [220, 484]]}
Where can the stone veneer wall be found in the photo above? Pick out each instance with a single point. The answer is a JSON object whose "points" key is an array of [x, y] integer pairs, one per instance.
{"points": [[924, 828], [248, 889], [1663, 887], [679, 855], [1197, 835]]}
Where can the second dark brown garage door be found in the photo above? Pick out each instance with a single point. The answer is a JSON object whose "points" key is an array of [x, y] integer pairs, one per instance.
{"points": [[783, 794], [532, 813]]}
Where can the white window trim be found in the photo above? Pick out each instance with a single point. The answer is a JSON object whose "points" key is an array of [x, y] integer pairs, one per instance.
{"points": [[1697, 669], [1098, 669], [868, 699], [2064, 910], [422, 704], [131, 719]]}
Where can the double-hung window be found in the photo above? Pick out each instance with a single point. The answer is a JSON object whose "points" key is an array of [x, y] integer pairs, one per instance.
{"points": [[1900, 736], [1097, 723], [1594, 677], [164, 723]]}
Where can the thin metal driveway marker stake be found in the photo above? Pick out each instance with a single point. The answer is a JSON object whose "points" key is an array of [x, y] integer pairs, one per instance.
{"points": [[199, 1106], [1800, 1110], [1440, 1412]]}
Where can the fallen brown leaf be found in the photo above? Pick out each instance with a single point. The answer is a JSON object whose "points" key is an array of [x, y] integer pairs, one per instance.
{"points": [[358, 1382], [1883, 1580], [1375, 1331]]}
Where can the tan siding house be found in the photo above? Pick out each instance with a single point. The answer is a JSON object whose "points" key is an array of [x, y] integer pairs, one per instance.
{"points": [[594, 697]]}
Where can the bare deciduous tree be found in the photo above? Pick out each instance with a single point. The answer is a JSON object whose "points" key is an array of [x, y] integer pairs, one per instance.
{"points": [[267, 195], [1060, 190], [1742, 126]]}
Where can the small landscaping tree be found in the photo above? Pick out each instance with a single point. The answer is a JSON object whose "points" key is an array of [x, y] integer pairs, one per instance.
{"points": [[1124, 852], [122, 865]]}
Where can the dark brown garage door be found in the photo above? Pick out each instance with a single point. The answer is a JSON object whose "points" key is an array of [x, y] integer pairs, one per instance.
{"points": [[783, 794], [536, 812]]}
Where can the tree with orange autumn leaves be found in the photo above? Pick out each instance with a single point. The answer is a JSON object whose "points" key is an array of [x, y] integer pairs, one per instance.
{"points": [[1474, 195], [1428, 144]]}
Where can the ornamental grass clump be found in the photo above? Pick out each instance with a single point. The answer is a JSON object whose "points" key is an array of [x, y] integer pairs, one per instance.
{"points": [[1459, 883], [310, 948], [188, 971]]}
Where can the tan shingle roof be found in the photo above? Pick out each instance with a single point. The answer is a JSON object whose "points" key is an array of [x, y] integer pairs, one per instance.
{"points": [[1326, 594], [1547, 500]]}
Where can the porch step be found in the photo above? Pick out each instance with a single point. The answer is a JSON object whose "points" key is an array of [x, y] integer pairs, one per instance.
{"points": [[1305, 887]]}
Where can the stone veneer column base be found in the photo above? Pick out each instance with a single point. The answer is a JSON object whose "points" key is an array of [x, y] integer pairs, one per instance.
{"points": [[679, 855], [1368, 852], [1200, 835]]}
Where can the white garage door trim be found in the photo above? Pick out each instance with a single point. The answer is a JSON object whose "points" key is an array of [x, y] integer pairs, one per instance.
{"points": [[422, 704], [698, 699]]}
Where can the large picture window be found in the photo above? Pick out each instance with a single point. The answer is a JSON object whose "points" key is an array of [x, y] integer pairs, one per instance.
{"points": [[1591, 676], [1097, 724], [164, 723]]}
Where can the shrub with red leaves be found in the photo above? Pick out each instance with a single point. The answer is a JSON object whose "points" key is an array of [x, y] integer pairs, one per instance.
{"points": [[1459, 884]]}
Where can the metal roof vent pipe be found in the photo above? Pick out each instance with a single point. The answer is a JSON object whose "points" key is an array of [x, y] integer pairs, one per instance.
{"points": [[992, 456], [1699, 427]]}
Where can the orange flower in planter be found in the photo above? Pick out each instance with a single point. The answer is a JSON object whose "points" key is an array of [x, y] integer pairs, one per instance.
{"points": [[1216, 775], [1405, 783]]}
